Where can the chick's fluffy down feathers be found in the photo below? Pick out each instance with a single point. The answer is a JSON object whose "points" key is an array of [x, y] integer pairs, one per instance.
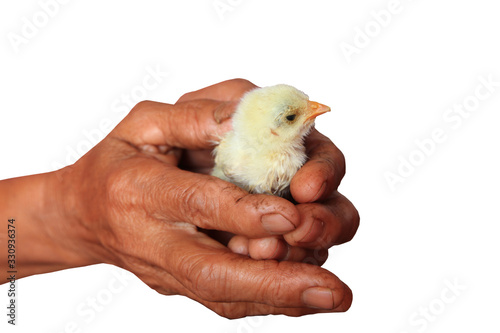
{"points": [[265, 148]]}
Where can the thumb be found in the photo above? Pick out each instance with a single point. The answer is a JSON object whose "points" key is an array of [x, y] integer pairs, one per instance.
{"points": [[214, 274], [189, 125]]}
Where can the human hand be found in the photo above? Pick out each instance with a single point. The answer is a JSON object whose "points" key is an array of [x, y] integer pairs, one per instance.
{"points": [[132, 202], [327, 218]]}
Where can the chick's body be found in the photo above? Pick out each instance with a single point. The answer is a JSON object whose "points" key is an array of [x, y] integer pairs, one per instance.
{"points": [[265, 148]]}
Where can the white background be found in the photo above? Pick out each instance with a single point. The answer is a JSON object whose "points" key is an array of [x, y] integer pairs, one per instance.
{"points": [[439, 226]]}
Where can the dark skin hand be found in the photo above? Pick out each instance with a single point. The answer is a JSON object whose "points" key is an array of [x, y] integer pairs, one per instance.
{"points": [[327, 217], [141, 200]]}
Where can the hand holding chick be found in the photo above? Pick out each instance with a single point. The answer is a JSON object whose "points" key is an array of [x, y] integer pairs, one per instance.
{"points": [[139, 200], [327, 217], [265, 148]]}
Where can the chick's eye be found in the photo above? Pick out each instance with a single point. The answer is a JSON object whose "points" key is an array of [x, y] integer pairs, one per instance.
{"points": [[291, 117]]}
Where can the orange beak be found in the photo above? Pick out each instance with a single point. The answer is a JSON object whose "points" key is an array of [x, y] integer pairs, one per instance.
{"points": [[314, 109]]}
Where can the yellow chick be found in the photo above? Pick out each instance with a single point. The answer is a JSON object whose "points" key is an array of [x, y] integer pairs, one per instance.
{"points": [[265, 148]]}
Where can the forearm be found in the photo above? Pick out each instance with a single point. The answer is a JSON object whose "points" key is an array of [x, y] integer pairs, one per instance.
{"points": [[46, 235]]}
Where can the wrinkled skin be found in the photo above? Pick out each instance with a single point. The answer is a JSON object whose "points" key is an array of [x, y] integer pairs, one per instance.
{"points": [[143, 199]]}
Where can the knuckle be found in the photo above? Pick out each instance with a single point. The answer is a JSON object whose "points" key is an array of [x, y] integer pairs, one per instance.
{"points": [[328, 163], [120, 192], [329, 154], [243, 84], [185, 97], [140, 112], [190, 195], [204, 278], [139, 115], [341, 165], [199, 202], [355, 221], [141, 106], [345, 218], [273, 286]]}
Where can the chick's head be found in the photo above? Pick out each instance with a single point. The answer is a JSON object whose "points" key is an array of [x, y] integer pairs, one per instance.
{"points": [[276, 114]]}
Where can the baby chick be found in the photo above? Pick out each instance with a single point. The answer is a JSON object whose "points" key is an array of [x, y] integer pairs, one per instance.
{"points": [[265, 148]]}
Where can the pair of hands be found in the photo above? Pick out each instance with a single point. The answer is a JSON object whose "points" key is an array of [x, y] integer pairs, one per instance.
{"points": [[142, 199]]}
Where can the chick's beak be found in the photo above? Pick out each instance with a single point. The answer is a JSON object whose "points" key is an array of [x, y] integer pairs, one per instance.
{"points": [[314, 109]]}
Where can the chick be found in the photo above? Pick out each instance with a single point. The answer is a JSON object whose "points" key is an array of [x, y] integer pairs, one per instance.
{"points": [[265, 148]]}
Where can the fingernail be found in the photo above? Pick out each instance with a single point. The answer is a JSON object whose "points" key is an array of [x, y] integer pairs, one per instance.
{"points": [[276, 223], [314, 232], [320, 192], [319, 298]]}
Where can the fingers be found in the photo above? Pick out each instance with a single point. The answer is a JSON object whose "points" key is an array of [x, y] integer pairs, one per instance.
{"points": [[240, 245], [234, 310], [215, 274], [333, 222], [230, 90], [276, 248], [322, 173], [322, 226], [190, 263], [190, 125], [210, 203], [164, 283]]}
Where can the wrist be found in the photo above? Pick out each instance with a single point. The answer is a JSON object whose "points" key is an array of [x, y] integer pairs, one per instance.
{"points": [[76, 241], [48, 238]]}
